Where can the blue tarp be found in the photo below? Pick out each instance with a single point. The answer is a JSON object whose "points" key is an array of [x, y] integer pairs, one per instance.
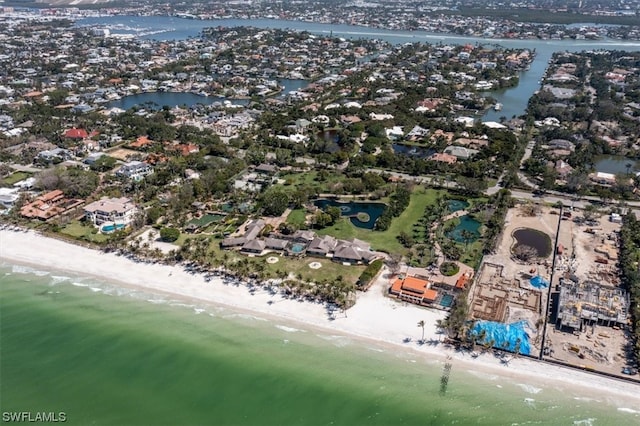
{"points": [[504, 336], [539, 282]]}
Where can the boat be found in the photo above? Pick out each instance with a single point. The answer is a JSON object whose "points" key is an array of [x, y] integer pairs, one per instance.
{"points": [[497, 107]]}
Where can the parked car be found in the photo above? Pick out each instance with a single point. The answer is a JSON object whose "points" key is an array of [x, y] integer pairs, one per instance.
{"points": [[630, 371]]}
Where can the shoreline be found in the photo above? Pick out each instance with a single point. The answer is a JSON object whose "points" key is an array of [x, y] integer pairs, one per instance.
{"points": [[375, 318]]}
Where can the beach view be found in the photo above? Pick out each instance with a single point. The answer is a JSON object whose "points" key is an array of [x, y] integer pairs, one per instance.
{"points": [[319, 213]]}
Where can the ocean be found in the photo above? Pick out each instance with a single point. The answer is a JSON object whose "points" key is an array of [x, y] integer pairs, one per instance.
{"points": [[106, 355]]}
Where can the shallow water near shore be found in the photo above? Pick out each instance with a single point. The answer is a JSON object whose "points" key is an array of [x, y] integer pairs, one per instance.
{"points": [[110, 355]]}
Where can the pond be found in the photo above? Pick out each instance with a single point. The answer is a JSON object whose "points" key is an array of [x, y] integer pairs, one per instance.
{"points": [[291, 85], [456, 205], [353, 209], [413, 151], [540, 241], [156, 100], [616, 164], [206, 220], [467, 223]]}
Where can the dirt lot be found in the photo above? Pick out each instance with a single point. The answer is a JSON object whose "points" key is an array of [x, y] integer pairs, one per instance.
{"points": [[503, 291], [123, 154], [544, 220], [590, 253], [600, 348]]}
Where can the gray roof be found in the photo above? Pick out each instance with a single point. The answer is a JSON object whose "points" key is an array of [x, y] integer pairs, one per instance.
{"points": [[322, 244], [233, 242], [304, 235], [276, 243], [254, 228], [254, 245], [347, 252]]}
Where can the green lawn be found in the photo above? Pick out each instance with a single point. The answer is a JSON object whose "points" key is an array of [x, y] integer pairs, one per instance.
{"points": [[297, 266], [297, 217], [14, 178], [300, 267], [472, 254], [387, 241], [80, 231]]}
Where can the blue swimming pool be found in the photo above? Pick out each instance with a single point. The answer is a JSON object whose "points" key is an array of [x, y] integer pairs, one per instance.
{"points": [[539, 282], [297, 248], [446, 301], [110, 228]]}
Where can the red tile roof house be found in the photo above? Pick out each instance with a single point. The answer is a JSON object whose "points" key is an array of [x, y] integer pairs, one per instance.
{"points": [[49, 205], [414, 290], [76, 134], [141, 142], [187, 149]]}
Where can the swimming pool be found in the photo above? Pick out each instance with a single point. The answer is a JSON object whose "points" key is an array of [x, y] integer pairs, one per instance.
{"points": [[446, 301], [297, 248], [539, 282], [111, 227]]}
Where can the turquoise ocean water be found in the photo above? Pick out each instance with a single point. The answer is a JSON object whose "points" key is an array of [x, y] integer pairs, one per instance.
{"points": [[106, 355]]}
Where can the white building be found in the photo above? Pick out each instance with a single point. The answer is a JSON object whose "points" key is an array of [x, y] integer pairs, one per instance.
{"points": [[116, 211], [135, 170]]}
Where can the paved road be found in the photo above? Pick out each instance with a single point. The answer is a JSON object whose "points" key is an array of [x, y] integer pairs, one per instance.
{"points": [[550, 197]]}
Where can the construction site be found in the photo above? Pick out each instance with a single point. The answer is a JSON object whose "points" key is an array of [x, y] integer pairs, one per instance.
{"points": [[513, 288], [588, 313]]}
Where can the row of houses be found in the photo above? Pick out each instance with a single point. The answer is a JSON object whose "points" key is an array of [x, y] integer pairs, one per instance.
{"points": [[113, 211], [302, 242]]}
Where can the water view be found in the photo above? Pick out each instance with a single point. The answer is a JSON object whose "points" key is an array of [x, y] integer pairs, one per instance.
{"points": [[362, 215], [413, 151], [514, 100], [457, 205], [468, 230], [538, 240], [95, 350], [616, 164], [157, 100]]}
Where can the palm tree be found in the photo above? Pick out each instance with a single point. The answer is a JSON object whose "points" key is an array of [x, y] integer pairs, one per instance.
{"points": [[518, 348], [467, 237], [421, 324]]}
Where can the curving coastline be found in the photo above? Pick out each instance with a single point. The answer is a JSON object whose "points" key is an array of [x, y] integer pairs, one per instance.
{"points": [[374, 317]]}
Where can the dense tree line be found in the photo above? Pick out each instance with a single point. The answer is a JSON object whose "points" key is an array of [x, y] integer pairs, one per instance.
{"points": [[369, 273], [501, 202], [398, 203], [630, 270]]}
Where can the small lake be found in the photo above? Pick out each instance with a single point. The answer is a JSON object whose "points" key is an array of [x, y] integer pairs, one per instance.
{"points": [[328, 140], [157, 100], [616, 164], [413, 151], [456, 205], [351, 210], [539, 240], [292, 85], [467, 223]]}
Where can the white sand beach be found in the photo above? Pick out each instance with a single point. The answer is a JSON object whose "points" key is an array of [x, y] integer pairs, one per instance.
{"points": [[374, 316]]}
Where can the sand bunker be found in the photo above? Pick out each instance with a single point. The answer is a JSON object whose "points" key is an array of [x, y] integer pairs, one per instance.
{"points": [[315, 265], [272, 259]]}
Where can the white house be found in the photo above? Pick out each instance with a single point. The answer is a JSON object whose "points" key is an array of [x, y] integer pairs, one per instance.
{"points": [[116, 211], [135, 170]]}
